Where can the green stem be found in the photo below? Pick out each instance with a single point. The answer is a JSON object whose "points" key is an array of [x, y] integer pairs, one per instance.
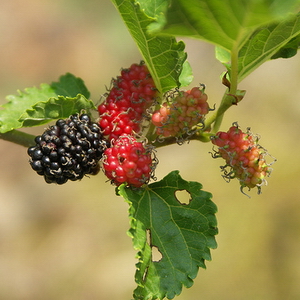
{"points": [[150, 136], [234, 71], [228, 99], [18, 137], [171, 140]]}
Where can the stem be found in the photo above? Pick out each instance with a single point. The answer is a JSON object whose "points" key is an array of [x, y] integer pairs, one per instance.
{"points": [[18, 137], [185, 138], [227, 101], [150, 136], [234, 71], [170, 141], [229, 96]]}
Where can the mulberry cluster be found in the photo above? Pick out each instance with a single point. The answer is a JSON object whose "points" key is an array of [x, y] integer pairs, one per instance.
{"points": [[68, 150], [125, 105], [128, 161], [186, 110], [245, 158]]}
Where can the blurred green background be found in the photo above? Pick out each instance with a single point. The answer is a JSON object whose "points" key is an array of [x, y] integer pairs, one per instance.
{"points": [[69, 242]]}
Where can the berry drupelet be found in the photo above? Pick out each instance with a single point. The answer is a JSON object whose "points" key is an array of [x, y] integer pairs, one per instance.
{"points": [[68, 150]]}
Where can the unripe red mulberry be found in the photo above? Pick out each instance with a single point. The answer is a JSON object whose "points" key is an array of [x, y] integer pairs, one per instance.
{"points": [[183, 112], [245, 158]]}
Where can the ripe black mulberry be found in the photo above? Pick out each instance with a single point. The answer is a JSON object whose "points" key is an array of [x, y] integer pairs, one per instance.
{"points": [[68, 150]]}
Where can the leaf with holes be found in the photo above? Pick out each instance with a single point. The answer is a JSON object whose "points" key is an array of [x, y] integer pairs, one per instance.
{"points": [[182, 233]]}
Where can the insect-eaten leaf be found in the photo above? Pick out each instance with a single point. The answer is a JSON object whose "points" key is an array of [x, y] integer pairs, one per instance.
{"points": [[173, 236]]}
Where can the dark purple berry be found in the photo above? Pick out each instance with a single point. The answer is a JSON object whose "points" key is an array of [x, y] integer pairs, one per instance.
{"points": [[68, 150]]}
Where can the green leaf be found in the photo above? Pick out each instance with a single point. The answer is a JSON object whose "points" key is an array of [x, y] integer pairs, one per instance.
{"points": [[54, 108], [226, 23], [36, 106], [224, 56], [269, 42], [288, 50], [154, 9], [246, 33], [70, 86], [186, 76], [182, 233], [163, 55], [280, 39], [18, 104]]}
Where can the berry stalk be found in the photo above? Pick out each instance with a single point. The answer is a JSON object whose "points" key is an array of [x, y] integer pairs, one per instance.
{"points": [[234, 71], [228, 100], [217, 116], [18, 137], [231, 96]]}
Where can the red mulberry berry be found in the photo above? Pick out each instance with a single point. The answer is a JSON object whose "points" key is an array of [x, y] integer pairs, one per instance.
{"points": [[128, 161], [126, 103], [186, 110], [245, 158]]}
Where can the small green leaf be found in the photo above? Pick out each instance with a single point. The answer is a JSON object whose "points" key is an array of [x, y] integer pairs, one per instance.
{"points": [[54, 108], [36, 106], [186, 76], [223, 55], [164, 56], [182, 233], [70, 86]]}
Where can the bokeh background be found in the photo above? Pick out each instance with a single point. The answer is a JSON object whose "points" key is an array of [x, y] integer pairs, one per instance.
{"points": [[69, 242]]}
